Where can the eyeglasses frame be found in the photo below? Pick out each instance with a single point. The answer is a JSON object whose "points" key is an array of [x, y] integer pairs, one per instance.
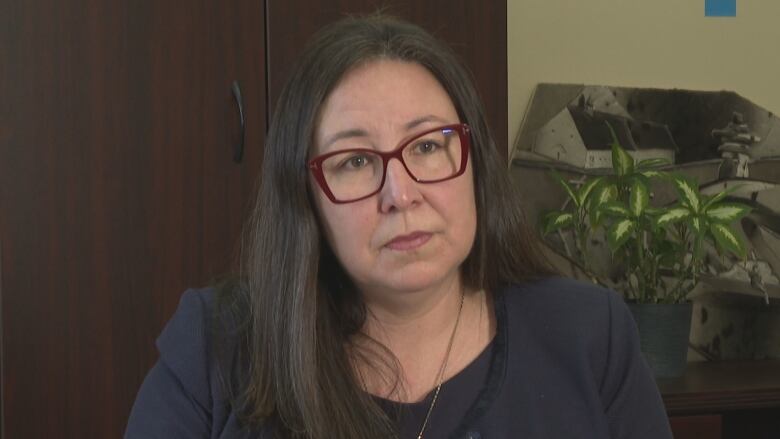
{"points": [[464, 133]]}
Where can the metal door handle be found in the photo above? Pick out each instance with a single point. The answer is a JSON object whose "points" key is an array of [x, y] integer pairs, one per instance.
{"points": [[238, 149]]}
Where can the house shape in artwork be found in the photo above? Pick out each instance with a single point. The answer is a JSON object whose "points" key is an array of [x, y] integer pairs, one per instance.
{"points": [[580, 136]]}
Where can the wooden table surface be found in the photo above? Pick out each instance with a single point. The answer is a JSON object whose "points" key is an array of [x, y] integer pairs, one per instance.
{"points": [[721, 386]]}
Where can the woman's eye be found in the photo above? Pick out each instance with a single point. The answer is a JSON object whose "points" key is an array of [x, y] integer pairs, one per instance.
{"points": [[426, 147], [355, 162]]}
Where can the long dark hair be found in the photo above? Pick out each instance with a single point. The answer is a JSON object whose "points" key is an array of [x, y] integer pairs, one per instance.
{"points": [[299, 306]]}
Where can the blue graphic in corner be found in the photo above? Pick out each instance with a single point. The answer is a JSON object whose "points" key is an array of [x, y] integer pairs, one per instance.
{"points": [[720, 8]]}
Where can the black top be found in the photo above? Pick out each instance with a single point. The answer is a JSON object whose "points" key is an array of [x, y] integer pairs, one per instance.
{"points": [[456, 397], [565, 363]]}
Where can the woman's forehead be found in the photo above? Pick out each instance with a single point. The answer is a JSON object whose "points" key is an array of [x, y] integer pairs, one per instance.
{"points": [[383, 96]]}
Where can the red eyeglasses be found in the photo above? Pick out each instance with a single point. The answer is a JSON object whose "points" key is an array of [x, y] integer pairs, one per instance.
{"points": [[432, 156]]}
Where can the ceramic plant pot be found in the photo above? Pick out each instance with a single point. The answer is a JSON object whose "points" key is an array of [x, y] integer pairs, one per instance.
{"points": [[663, 335]]}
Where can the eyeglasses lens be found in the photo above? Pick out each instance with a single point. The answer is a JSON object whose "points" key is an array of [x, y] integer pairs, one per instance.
{"points": [[431, 157]]}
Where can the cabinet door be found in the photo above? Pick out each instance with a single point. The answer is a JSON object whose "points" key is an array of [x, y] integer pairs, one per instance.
{"points": [[693, 427], [475, 29], [118, 189]]}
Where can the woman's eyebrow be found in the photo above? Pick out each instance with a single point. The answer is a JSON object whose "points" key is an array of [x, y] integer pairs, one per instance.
{"points": [[421, 120], [356, 132], [346, 134]]}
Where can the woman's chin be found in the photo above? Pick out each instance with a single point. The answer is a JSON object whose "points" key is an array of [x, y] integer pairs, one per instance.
{"points": [[409, 282]]}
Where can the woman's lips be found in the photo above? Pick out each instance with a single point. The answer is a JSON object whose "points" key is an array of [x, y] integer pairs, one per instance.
{"points": [[409, 242]]}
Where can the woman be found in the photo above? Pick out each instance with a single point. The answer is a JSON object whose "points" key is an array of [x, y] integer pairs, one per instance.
{"points": [[390, 287]]}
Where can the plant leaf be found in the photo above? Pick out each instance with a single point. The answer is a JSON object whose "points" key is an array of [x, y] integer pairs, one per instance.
{"points": [[556, 220], [639, 197], [654, 174], [695, 224], [615, 209], [672, 216], [566, 187], [721, 195], [726, 213], [652, 163], [688, 192], [727, 239], [622, 162], [585, 190], [619, 232], [604, 194]]}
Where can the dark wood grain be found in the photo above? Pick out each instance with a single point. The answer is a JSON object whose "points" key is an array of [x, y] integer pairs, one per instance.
{"points": [[697, 427], [753, 424], [743, 395], [117, 191], [725, 385], [476, 30]]}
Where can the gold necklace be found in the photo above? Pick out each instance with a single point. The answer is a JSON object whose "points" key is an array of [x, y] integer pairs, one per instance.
{"points": [[440, 377]]}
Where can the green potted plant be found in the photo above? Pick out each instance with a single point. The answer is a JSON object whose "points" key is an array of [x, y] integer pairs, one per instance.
{"points": [[658, 252]]}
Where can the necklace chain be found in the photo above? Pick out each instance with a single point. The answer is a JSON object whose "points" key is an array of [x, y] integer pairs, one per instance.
{"points": [[440, 376]]}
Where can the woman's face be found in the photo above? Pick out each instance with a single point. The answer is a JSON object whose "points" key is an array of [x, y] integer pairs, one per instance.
{"points": [[409, 236]]}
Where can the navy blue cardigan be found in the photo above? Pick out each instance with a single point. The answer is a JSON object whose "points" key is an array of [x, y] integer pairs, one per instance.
{"points": [[565, 363]]}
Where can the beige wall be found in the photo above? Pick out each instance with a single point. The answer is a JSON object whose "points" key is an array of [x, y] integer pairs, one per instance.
{"points": [[644, 43]]}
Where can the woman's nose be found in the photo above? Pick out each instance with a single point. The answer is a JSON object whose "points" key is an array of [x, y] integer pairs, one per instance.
{"points": [[399, 191]]}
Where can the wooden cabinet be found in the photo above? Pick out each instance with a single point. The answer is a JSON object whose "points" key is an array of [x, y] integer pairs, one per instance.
{"points": [[728, 399], [118, 187], [118, 190]]}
